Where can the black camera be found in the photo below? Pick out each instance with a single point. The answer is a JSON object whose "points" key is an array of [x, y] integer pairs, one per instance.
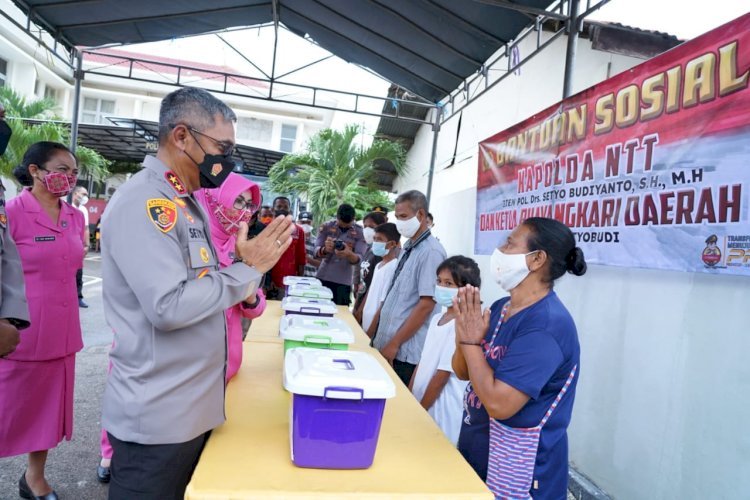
{"points": [[339, 245]]}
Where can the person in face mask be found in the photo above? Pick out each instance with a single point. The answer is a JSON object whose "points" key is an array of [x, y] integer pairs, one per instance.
{"points": [[521, 357], [305, 221], [362, 276], [340, 247], [232, 204], [434, 384], [166, 289], [80, 199], [385, 246], [292, 263], [410, 304], [37, 379], [265, 215]]}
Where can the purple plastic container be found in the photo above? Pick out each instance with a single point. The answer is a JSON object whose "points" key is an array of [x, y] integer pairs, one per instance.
{"points": [[337, 406], [330, 433]]}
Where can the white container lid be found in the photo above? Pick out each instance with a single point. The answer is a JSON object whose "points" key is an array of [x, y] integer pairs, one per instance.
{"points": [[336, 374], [308, 306], [316, 330], [308, 280], [311, 291]]}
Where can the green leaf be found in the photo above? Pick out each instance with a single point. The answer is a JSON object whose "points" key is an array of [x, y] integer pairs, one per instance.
{"points": [[18, 109], [333, 170]]}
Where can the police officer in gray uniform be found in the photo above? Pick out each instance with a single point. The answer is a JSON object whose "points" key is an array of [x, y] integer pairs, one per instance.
{"points": [[14, 311], [165, 296], [340, 247]]}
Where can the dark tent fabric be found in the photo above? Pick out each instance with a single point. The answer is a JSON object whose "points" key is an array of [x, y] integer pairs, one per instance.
{"points": [[426, 46]]}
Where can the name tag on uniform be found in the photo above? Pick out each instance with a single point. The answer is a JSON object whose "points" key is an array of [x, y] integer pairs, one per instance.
{"points": [[44, 238]]}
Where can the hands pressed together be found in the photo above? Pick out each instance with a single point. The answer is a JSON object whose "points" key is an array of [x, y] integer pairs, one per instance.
{"points": [[263, 251], [471, 323]]}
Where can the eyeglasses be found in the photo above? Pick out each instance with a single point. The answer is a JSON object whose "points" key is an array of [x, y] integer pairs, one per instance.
{"points": [[244, 204], [227, 148]]}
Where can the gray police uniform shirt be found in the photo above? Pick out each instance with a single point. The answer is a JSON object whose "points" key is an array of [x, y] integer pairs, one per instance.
{"points": [[338, 269], [164, 297], [416, 279], [13, 305]]}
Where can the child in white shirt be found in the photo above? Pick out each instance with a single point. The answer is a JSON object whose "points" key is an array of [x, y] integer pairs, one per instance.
{"points": [[434, 384], [385, 243]]}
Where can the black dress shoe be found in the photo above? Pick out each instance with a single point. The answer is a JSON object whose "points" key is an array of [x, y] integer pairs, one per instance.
{"points": [[103, 474], [81, 303], [25, 492]]}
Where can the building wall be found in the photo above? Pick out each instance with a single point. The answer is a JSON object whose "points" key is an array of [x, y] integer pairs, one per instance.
{"points": [[663, 377]]}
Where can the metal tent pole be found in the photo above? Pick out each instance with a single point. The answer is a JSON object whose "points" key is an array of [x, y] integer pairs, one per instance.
{"points": [[435, 133], [570, 54], [76, 100]]}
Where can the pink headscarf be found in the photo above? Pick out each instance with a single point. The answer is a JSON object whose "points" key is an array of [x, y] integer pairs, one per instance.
{"points": [[224, 196]]}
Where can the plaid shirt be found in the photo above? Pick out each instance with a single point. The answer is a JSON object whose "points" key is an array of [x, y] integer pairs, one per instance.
{"points": [[310, 270]]}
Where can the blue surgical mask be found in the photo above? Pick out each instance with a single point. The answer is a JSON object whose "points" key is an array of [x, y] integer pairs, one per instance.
{"points": [[444, 295], [379, 249]]}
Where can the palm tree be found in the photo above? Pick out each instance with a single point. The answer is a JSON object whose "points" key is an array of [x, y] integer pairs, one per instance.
{"points": [[17, 111], [334, 170]]}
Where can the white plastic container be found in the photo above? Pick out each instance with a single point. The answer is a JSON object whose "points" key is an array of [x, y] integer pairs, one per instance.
{"points": [[317, 333], [309, 291], [308, 307], [304, 280], [337, 407]]}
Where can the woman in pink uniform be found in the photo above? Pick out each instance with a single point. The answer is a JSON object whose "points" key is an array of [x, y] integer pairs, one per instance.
{"points": [[36, 381]]}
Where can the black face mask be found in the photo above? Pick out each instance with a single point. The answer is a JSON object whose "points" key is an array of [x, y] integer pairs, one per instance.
{"points": [[214, 170], [281, 212], [344, 229]]}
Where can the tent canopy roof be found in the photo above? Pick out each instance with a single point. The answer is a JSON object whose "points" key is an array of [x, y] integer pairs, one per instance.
{"points": [[426, 46]]}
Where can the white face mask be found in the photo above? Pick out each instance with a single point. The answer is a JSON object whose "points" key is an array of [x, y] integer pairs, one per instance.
{"points": [[408, 228], [83, 200], [509, 269], [369, 235], [307, 228]]}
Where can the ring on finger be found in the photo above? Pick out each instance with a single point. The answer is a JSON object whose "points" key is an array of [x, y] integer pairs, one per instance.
{"points": [[278, 243]]}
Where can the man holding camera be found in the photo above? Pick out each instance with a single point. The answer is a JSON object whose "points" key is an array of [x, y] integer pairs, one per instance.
{"points": [[340, 246]]}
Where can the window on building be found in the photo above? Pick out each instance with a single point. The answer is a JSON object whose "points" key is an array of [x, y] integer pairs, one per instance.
{"points": [[50, 93], [3, 72], [288, 138], [254, 129], [97, 110]]}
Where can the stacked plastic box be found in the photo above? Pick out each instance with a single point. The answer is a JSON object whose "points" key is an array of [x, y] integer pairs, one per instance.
{"points": [[338, 396], [337, 407]]}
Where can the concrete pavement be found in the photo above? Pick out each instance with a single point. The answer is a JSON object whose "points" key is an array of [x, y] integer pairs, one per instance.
{"points": [[71, 467]]}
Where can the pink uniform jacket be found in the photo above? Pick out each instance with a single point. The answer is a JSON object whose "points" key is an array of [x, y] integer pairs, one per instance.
{"points": [[51, 253]]}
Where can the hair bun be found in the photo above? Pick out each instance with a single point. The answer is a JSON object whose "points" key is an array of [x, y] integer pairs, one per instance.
{"points": [[575, 263], [22, 175]]}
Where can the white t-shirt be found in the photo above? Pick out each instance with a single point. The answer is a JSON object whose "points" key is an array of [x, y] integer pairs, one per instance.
{"points": [[85, 212], [437, 355], [381, 280]]}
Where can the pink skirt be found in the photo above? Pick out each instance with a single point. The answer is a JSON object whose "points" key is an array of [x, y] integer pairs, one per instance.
{"points": [[36, 404]]}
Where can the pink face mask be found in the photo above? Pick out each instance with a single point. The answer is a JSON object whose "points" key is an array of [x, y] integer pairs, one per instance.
{"points": [[58, 183], [230, 221]]}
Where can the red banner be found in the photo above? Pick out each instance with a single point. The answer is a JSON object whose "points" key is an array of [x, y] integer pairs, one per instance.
{"points": [[649, 168]]}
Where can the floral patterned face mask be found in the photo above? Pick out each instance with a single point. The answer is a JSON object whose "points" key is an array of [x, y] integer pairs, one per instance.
{"points": [[228, 218], [58, 183]]}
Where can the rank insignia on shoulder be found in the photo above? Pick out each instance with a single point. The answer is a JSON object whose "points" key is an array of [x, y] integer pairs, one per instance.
{"points": [[204, 255], [163, 213], [175, 182]]}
